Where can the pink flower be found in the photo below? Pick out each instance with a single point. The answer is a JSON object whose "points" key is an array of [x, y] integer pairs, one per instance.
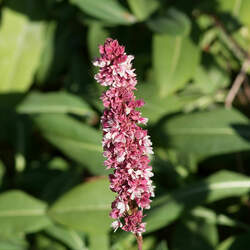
{"points": [[126, 145]]}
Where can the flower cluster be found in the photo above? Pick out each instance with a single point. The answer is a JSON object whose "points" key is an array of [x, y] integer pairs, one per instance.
{"points": [[126, 145]]}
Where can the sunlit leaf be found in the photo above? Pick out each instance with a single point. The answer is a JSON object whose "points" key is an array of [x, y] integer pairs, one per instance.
{"points": [[171, 60], [21, 42]]}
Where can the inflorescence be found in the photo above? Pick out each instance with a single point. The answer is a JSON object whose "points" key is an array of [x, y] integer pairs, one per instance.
{"points": [[126, 145]]}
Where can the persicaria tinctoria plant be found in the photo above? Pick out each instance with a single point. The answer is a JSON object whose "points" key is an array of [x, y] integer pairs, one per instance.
{"points": [[126, 145]]}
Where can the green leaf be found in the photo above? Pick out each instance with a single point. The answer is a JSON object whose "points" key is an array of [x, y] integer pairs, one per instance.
{"points": [[222, 184], [235, 243], [156, 107], [54, 102], [209, 133], [100, 242], [45, 243], [173, 22], [171, 60], [107, 10], [20, 212], [198, 235], [47, 56], [96, 36], [220, 219], [209, 76], [66, 236], [162, 246], [85, 208], [21, 43], [75, 139], [238, 8], [12, 243], [57, 52], [142, 9]]}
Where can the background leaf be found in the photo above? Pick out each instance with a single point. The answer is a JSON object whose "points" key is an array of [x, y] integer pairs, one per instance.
{"points": [[215, 132], [13, 243], [235, 243], [198, 235], [142, 9], [21, 43], [75, 139], [20, 212], [162, 246], [220, 219], [67, 236], [96, 36], [171, 60], [237, 8], [209, 76], [58, 102], [218, 186], [107, 10], [101, 243], [173, 22], [90, 202], [156, 107]]}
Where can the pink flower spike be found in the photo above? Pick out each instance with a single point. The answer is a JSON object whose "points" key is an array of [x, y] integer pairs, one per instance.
{"points": [[126, 145]]}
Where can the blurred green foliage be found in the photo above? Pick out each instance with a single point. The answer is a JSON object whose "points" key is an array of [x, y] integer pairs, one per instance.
{"points": [[54, 192]]}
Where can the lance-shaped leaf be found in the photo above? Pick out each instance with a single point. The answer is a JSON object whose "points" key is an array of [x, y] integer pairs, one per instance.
{"points": [[20, 212], [175, 59], [173, 22], [54, 102], [85, 208], [12, 242], [221, 185], [107, 10], [143, 8], [21, 42], [208, 133], [67, 236], [75, 139]]}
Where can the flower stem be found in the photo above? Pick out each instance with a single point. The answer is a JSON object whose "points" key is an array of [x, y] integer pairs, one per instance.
{"points": [[139, 241]]}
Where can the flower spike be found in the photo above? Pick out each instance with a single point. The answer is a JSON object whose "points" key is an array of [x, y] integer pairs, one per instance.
{"points": [[126, 145]]}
